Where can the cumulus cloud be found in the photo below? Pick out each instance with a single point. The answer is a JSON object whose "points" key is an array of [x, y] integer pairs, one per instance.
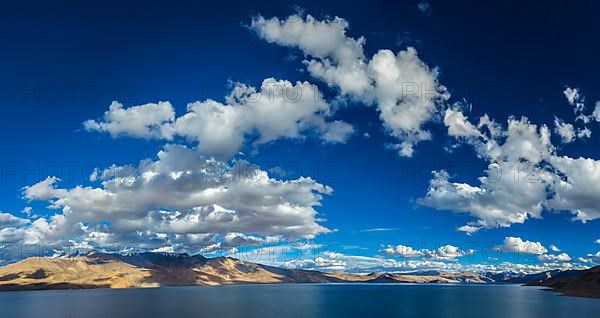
{"points": [[182, 199], [572, 95], [458, 124], [578, 188], [524, 176], [525, 268], [335, 261], [325, 260], [554, 248], [7, 219], [562, 257], [404, 89], [445, 253], [278, 109], [333, 56], [564, 130], [497, 202], [144, 121], [11, 228], [596, 113], [591, 258], [575, 99], [520, 246], [402, 251], [468, 229]]}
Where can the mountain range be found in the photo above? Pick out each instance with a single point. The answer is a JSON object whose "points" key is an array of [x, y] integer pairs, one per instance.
{"points": [[103, 270]]}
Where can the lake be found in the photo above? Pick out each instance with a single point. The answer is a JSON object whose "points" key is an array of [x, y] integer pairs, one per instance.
{"points": [[317, 300]]}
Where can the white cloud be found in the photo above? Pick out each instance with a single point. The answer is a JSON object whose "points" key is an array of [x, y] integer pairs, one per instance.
{"points": [[520, 246], [182, 199], [7, 219], [597, 241], [443, 253], [278, 109], [27, 210], [407, 94], [458, 124], [577, 188], [424, 7], [469, 229], [554, 248], [338, 132], [402, 251], [144, 121], [11, 234], [379, 229], [577, 100], [499, 201], [11, 228], [591, 258], [524, 177], [334, 57], [564, 130], [572, 95], [447, 253], [596, 113], [334, 261], [562, 257], [584, 133], [525, 268], [404, 89]]}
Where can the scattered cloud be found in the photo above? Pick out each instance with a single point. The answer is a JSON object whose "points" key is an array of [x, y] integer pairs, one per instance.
{"points": [[379, 229], [402, 251], [562, 257], [404, 89], [278, 109], [182, 199], [591, 258], [424, 7], [151, 121], [445, 253], [520, 246], [524, 177], [596, 113], [458, 124], [564, 130]]}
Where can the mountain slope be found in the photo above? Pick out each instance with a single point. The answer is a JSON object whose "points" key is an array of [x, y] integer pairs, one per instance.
{"points": [[98, 270], [432, 277], [584, 283], [521, 278]]}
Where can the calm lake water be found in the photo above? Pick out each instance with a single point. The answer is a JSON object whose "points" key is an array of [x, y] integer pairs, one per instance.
{"points": [[358, 300]]}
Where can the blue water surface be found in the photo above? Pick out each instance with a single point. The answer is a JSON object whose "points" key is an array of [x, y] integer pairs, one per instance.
{"points": [[332, 300]]}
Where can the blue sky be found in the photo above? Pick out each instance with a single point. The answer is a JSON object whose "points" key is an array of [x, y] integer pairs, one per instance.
{"points": [[374, 200]]}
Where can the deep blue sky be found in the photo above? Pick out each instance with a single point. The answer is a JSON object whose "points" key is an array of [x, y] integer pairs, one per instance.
{"points": [[513, 58]]}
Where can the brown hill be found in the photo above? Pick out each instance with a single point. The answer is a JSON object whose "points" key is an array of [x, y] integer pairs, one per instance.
{"points": [[98, 270], [584, 283], [432, 277]]}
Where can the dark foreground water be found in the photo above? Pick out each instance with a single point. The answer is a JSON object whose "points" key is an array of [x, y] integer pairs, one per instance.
{"points": [[360, 300]]}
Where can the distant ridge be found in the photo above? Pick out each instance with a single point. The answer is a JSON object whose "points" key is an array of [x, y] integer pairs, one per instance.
{"points": [[138, 270], [585, 283]]}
